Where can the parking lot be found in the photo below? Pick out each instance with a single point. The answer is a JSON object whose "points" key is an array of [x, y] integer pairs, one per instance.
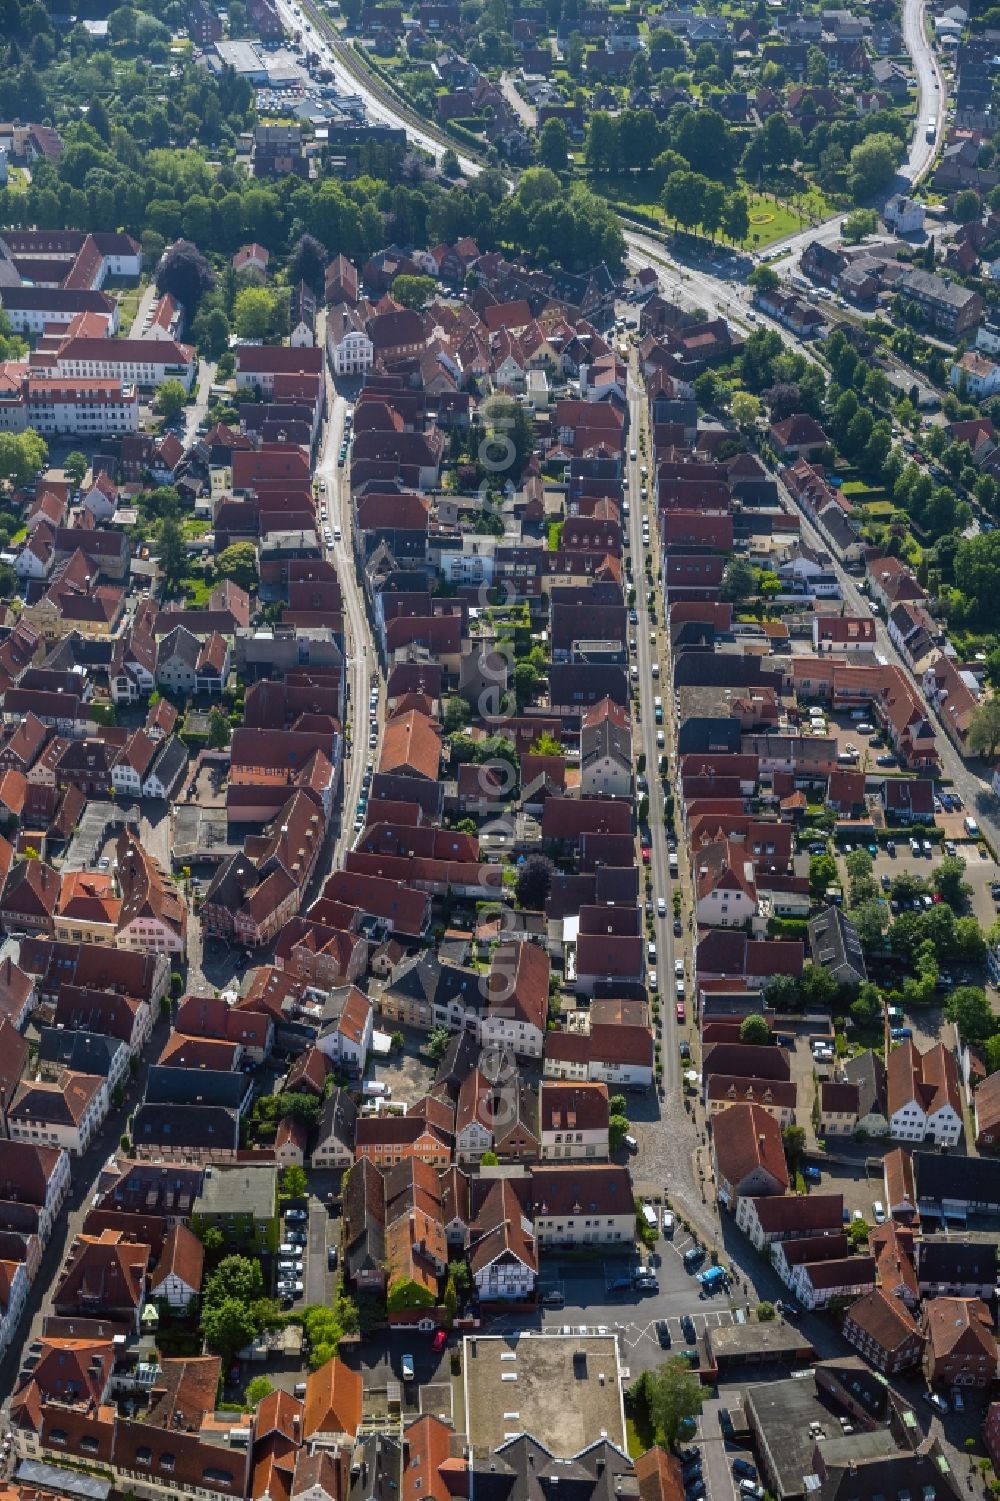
{"points": [[860, 1188], [599, 1295], [407, 1075]]}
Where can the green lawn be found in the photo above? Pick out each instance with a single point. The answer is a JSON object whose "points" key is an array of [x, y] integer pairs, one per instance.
{"points": [[770, 220]]}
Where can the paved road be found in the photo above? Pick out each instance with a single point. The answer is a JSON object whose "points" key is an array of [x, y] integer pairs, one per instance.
{"points": [[361, 657], [316, 1280], [644, 732], [195, 413], [145, 303]]}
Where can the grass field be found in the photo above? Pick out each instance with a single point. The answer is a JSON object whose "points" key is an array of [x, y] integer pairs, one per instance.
{"points": [[770, 219]]}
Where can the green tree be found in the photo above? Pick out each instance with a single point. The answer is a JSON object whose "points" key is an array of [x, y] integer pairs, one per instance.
{"points": [[782, 993], [765, 1312], [525, 679], [972, 1014], [745, 408], [172, 551], [450, 1301], [457, 714], [546, 745], [873, 165], [237, 1277], [450, 165], [438, 1043], [534, 878], [673, 1392], [966, 206], [553, 145], [294, 1183], [862, 222], [737, 580], [22, 457], [949, 881], [218, 730], [257, 1390], [817, 988], [228, 1326], [858, 1232], [253, 313], [754, 1029], [618, 1126], [238, 562], [859, 874], [736, 218], [869, 920], [794, 1141], [822, 875], [984, 727], [489, 1159], [866, 1008], [764, 278], [413, 291], [171, 399], [75, 465]]}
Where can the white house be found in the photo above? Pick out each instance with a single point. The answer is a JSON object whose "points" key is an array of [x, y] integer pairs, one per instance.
{"points": [[473, 1136], [101, 497], [924, 1097], [904, 215], [574, 1121], [980, 376], [503, 1255], [583, 1205], [606, 751], [518, 1000], [14, 1284], [134, 362], [349, 348], [177, 1275], [345, 1035], [35, 1174], [64, 1114], [817, 1284], [725, 889]]}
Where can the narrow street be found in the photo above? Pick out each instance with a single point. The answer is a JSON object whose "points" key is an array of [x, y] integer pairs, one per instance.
{"points": [[668, 1134], [362, 661]]}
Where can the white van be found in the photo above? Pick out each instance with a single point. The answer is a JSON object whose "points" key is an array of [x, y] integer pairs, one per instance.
{"points": [[971, 828]]}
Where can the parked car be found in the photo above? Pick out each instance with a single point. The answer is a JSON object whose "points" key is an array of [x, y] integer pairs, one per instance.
{"points": [[295, 1216], [688, 1330], [744, 1469], [663, 1334]]}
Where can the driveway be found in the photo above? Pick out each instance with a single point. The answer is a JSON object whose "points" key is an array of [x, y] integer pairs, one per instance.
{"points": [[317, 1280]]}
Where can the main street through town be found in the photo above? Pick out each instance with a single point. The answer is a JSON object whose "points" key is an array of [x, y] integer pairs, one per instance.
{"points": [[362, 658]]}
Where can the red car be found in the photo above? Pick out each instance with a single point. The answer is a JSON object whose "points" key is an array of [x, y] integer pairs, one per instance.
{"points": [[645, 854], [439, 1341], [679, 1009]]}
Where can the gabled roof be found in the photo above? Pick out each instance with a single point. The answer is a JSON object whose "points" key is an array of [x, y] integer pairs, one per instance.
{"points": [[747, 1138]]}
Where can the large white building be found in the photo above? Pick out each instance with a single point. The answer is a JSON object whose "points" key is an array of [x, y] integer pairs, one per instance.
{"points": [[350, 350], [139, 362], [924, 1098], [74, 407]]}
